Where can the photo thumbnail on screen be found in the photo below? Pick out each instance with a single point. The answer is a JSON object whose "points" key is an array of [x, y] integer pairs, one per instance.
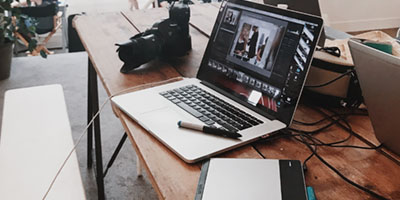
{"points": [[231, 16], [256, 44]]}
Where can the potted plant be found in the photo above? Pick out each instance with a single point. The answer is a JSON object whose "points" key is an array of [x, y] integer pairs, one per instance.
{"points": [[11, 20]]}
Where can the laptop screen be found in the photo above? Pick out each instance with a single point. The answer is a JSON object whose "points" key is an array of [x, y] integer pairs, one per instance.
{"points": [[259, 56], [305, 6]]}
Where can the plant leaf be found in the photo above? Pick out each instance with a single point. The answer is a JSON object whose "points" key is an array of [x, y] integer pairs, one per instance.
{"points": [[43, 54], [32, 45]]}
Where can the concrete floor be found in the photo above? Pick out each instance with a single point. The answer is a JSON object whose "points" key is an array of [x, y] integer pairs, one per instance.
{"points": [[121, 181], [70, 70]]}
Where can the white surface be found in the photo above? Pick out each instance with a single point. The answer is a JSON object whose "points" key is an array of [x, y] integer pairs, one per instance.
{"points": [[358, 15], [238, 179], [35, 140], [160, 116]]}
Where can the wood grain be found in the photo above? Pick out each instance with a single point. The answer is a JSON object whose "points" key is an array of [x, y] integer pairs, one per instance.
{"points": [[362, 126], [203, 17], [174, 179], [366, 167], [99, 34], [171, 177]]}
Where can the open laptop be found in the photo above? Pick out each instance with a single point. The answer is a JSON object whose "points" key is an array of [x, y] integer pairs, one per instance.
{"points": [[305, 6], [250, 89], [378, 73]]}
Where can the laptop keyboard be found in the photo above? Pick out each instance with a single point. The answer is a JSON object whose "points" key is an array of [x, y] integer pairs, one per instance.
{"points": [[210, 109]]}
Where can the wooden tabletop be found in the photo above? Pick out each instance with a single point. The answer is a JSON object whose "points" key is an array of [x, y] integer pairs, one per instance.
{"points": [[171, 177]]}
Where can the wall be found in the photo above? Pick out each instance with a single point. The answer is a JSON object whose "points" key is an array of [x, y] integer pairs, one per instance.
{"points": [[358, 15]]}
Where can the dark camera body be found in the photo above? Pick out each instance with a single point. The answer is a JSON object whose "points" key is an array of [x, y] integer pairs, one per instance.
{"points": [[167, 38]]}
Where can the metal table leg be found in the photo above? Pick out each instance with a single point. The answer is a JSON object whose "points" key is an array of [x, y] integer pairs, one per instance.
{"points": [[89, 118], [116, 152], [93, 106]]}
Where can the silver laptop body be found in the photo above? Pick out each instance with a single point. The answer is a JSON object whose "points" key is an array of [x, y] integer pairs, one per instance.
{"points": [[379, 76], [267, 88]]}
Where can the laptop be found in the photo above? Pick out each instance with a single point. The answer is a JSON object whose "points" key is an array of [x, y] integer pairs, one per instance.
{"points": [[249, 81], [305, 6], [378, 73]]}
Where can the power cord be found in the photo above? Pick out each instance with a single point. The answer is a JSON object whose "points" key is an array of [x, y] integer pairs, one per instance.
{"points": [[312, 143], [326, 118], [331, 81], [314, 153], [335, 51], [302, 136]]}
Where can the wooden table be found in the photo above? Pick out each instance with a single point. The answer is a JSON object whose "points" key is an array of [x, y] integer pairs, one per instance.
{"points": [[171, 177]]}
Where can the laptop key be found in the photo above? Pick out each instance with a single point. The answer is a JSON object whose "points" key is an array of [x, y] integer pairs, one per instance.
{"points": [[192, 104], [210, 109], [229, 127], [175, 101], [204, 118], [252, 122], [213, 117], [209, 122], [171, 98], [197, 107], [189, 109]]}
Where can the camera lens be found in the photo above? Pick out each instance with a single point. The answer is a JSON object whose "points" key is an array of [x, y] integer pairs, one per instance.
{"points": [[139, 51]]}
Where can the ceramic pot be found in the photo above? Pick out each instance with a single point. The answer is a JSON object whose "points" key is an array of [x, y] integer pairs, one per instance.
{"points": [[5, 60]]}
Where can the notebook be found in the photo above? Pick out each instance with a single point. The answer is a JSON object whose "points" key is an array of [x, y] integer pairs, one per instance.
{"points": [[249, 81], [255, 179], [378, 73]]}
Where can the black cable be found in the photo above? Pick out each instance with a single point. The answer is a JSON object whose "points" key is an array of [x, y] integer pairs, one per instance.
{"points": [[351, 133], [341, 175], [347, 128], [311, 123], [334, 121], [258, 151], [313, 131], [320, 143], [316, 142], [325, 118], [331, 81], [341, 118], [305, 168], [355, 147], [350, 130], [314, 153], [335, 51]]}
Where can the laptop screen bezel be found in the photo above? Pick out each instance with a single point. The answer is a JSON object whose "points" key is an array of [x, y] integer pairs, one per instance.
{"points": [[203, 70], [306, 6]]}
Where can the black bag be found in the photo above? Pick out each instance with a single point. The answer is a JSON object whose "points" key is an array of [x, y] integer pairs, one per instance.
{"points": [[74, 42]]}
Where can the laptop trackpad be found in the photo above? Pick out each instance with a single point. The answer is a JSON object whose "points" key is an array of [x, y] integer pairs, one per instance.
{"points": [[164, 118], [189, 144]]}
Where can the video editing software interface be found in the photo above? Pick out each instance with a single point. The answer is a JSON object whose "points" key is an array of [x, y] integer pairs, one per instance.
{"points": [[260, 58]]}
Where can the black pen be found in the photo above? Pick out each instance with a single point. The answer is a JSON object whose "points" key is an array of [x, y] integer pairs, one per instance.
{"points": [[209, 130]]}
